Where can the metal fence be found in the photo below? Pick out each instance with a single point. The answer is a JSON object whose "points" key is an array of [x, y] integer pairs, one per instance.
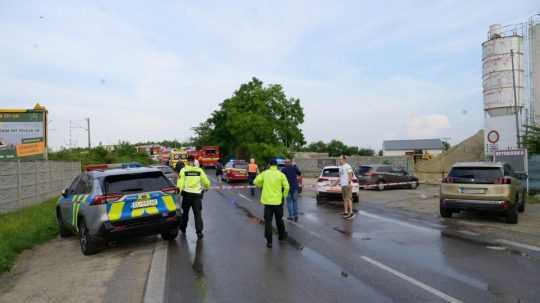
{"points": [[534, 174], [27, 183]]}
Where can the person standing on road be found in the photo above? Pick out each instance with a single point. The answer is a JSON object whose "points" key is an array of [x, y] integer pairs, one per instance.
{"points": [[219, 172], [345, 181], [292, 173], [275, 188], [192, 182], [253, 171]]}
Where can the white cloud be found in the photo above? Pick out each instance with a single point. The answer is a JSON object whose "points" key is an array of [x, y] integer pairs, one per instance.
{"points": [[425, 127], [165, 68]]}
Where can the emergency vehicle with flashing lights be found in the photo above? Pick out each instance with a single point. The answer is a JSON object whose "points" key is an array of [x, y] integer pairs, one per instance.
{"points": [[328, 185], [235, 170], [209, 156], [105, 203], [177, 154]]}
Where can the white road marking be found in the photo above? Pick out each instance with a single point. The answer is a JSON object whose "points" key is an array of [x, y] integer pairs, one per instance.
{"points": [[241, 195], [469, 233], [399, 222], [517, 244], [154, 291], [411, 280]]}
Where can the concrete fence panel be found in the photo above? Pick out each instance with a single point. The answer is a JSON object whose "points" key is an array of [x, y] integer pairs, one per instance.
{"points": [[27, 183], [311, 167]]}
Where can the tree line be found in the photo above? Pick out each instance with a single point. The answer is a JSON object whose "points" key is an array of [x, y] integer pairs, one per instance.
{"points": [[260, 121]]}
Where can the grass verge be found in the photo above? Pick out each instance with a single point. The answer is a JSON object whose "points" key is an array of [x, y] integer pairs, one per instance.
{"points": [[24, 228], [533, 199]]}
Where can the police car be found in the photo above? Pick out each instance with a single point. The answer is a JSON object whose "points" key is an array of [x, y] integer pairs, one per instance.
{"points": [[107, 204], [328, 185]]}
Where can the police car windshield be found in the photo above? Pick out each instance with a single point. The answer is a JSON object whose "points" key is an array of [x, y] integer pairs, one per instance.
{"points": [[135, 183]]}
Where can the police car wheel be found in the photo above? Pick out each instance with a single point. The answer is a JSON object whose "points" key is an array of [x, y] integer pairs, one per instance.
{"points": [[89, 245], [170, 235]]}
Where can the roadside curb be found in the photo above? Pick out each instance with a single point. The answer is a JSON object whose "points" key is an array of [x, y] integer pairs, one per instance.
{"points": [[487, 241], [154, 290]]}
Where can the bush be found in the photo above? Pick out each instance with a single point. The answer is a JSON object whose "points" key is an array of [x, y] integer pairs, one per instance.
{"points": [[123, 153]]}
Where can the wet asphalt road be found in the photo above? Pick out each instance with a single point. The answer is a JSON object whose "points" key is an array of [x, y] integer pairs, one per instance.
{"points": [[374, 258]]}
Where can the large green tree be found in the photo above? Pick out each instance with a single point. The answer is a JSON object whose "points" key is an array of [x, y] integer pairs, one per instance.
{"points": [[257, 121]]}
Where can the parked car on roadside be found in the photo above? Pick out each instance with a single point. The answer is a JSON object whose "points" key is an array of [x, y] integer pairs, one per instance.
{"points": [[106, 204], [168, 172], [328, 185], [235, 170], [382, 176], [483, 186]]}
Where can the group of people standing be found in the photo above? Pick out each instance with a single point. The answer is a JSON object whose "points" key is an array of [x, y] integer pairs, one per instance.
{"points": [[277, 186]]}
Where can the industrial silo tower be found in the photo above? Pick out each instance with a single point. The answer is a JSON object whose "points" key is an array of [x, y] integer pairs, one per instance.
{"points": [[503, 81], [534, 66]]}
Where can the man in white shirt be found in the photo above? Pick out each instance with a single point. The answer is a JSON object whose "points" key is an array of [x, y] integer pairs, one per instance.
{"points": [[345, 181]]}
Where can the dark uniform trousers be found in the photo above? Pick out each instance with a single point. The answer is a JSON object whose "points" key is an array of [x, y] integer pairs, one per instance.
{"points": [[277, 212], [193, 201]]}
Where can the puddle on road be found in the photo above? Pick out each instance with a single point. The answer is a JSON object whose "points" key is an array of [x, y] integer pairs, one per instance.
{"points": [[354, 235]]}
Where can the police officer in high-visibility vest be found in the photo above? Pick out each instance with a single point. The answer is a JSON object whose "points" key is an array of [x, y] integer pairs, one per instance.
{"points": [[275, 188], [192, 181]]}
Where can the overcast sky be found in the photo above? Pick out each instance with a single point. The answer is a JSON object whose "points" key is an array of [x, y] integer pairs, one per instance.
{"points": [[364, 71]]}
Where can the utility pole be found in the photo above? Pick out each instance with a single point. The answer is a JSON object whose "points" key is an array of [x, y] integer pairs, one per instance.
{"points": [[70, 144], [88, 131], [515, 98]]}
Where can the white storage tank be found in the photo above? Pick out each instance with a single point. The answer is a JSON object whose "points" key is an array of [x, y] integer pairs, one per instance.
{"points": [[498, 89], [534, 58]]}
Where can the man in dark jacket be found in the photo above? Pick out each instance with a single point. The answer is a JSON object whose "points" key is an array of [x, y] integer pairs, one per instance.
{"points": [[292, 172]]}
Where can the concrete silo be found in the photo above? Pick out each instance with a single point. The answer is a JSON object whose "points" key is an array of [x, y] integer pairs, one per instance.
{"points": [[503, 87], [534, 65]]}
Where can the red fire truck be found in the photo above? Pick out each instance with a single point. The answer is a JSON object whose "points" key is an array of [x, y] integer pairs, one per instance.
{"points": [[209, 156]]}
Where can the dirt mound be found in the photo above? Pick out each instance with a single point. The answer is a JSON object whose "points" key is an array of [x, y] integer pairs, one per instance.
{"points": [[432, 171]]}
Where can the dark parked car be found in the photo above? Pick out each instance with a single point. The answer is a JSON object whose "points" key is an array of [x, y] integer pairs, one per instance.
{"points": [[382, 176]]}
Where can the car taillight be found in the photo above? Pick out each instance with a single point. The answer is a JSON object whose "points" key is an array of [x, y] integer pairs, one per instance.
{"points": [[170, 190], [102, 199], [503, 180], [322, 179], [448, 180]]}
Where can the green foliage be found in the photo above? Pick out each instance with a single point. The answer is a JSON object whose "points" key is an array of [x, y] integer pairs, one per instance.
{"points": [[337, 148], [446, 145], [24, 228], [123, 152], [531, 139], [257, 121]]}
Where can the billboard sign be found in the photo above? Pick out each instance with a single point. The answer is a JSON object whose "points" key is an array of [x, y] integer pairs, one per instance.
{"points": [[23, 134]]}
